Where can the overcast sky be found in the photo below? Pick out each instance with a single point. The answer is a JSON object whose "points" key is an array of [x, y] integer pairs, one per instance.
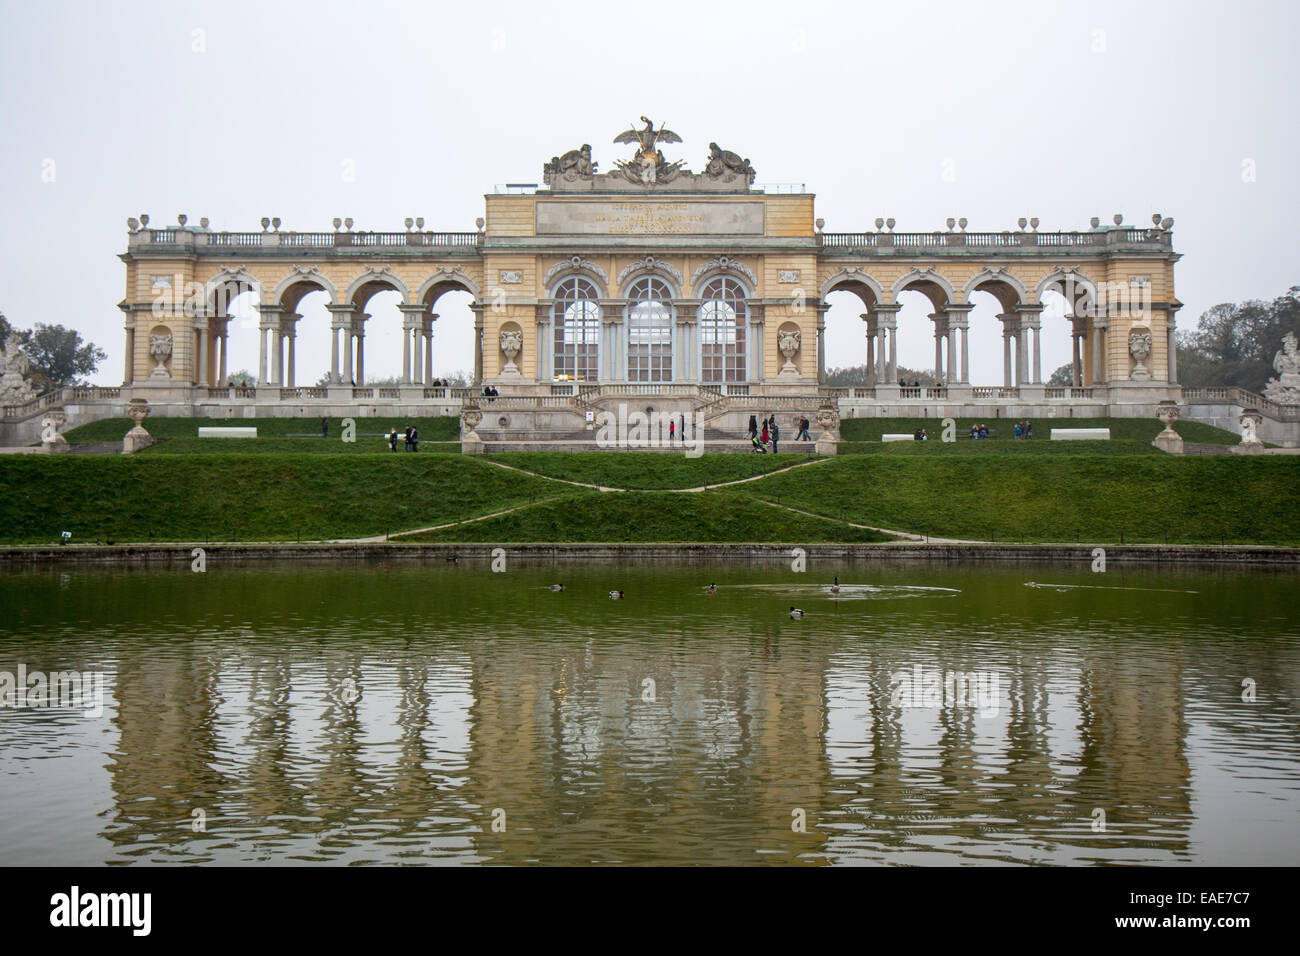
{"points": [[238, 110]]}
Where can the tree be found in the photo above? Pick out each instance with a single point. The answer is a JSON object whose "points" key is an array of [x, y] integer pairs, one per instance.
{"points": [[241, 379], [59, 356], [1062, 376], [857, 375], [1234, 343]]}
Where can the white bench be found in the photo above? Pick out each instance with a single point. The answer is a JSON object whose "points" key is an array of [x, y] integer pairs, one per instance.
{"points": [[897, 437], [1080, 434], [215, 432]]}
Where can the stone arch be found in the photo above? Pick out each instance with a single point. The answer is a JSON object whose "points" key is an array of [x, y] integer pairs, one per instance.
{"points": [[853, 279], [650, 264], [445, 280], [724, 264], [239, 279], [375, 280], [1006, 288], [577, 265], [1067, 279], [300, 276], [930, 283]]}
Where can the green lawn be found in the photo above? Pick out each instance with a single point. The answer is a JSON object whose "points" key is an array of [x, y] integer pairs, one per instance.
{"points": [[1130, 429], [994, 490], [647, 470], [1056, 497], [652, 516], [246, 497]]}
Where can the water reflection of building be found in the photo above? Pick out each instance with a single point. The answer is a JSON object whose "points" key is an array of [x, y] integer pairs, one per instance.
{"points": [[586, 769]]}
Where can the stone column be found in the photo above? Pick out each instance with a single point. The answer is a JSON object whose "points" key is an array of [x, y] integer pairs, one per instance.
{"points": [[1031, 366], [340, 323], [277, 356], [754, 347], [128, 375], [821, 345], [201, 327], [428, 346], [871, 348], [1006, 351], [958, 322], [542, 353], [223, 341], [1076, 358], [291, 376], [940, 332], [361, 348], [477, 309], [268, 323], [1172, 347], [407, 331]]}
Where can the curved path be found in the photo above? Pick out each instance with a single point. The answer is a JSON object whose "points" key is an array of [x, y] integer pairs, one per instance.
{"points": [[904, 535]]}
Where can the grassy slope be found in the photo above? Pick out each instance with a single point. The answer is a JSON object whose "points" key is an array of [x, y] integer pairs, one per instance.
{"points": [[647, 470], [253, 497], [998, 495], [652, 516], [1131, 429], [1056, 498]]}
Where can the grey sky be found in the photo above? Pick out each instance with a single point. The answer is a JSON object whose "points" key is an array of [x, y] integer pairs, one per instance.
{"points": [[435, 103]]}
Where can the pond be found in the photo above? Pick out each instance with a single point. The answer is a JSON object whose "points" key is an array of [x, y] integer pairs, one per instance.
{"points": [[421, 712]]}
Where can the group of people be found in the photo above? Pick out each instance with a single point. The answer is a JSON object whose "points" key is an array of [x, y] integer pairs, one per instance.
{"points": [[1025, 429], [920, 435], [490, 392], [411, 440], [766, 432], [979, 431]]}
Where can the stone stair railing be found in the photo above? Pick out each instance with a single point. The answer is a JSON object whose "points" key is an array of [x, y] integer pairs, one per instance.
{"points": [[1240, 396]]}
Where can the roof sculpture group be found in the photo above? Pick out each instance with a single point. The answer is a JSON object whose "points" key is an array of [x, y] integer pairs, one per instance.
{"points": [[724, 171]]}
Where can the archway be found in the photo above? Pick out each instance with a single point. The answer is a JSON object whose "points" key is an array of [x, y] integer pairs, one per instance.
{"points": [[300, 303], [446, 333], [849, 341]]}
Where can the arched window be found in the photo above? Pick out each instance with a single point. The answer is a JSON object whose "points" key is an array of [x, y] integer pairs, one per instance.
{"points": [[649, 331], [723, 316], [576, 321]]}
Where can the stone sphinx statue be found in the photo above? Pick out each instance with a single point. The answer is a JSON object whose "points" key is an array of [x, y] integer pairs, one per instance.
{"points": [[724, 163], [573, 165], [1285, 389], [15, 386]]}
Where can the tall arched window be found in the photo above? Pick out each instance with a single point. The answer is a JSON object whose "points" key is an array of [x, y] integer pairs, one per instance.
{"points": [[649, 331], [723, 316], [576, 321]]}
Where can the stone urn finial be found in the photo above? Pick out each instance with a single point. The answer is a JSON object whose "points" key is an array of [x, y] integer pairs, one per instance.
{"points": [[1139, 347], [512, 343], [52, 440], [1249, 420], [470, 418], [1168, 440], [827, 418], [160, 349], [787, 341], [138, 410]]}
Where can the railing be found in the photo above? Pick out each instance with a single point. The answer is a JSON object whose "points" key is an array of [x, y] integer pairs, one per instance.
{"points": [[435, 391], [310, 391], [58, 396], [909, 392], [936, 392], [390, 393], [865, 241], [196, 240], [1242, 397], [363, 393], [867, 392]]}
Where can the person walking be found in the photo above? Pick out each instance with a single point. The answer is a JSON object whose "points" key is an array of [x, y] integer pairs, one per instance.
{"points": [[672, 432], [407, 442], [776, 435], [681, 432], [753, 426], [415, 438], [324, 427], [762, 438], [392, 439]]}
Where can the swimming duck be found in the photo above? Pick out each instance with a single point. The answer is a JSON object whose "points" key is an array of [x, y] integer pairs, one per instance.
{"points": [[835, 588], [615, 595], [711, 589], [557, 587], [796, 613]]}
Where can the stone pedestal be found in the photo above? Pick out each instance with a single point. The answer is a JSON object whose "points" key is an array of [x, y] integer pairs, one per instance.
{"points": [[470, 417], [137, 437], [1168, 440], [52, 442]]}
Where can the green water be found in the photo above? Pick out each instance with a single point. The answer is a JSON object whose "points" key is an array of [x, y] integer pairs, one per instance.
{"points": [[372, 713]]}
